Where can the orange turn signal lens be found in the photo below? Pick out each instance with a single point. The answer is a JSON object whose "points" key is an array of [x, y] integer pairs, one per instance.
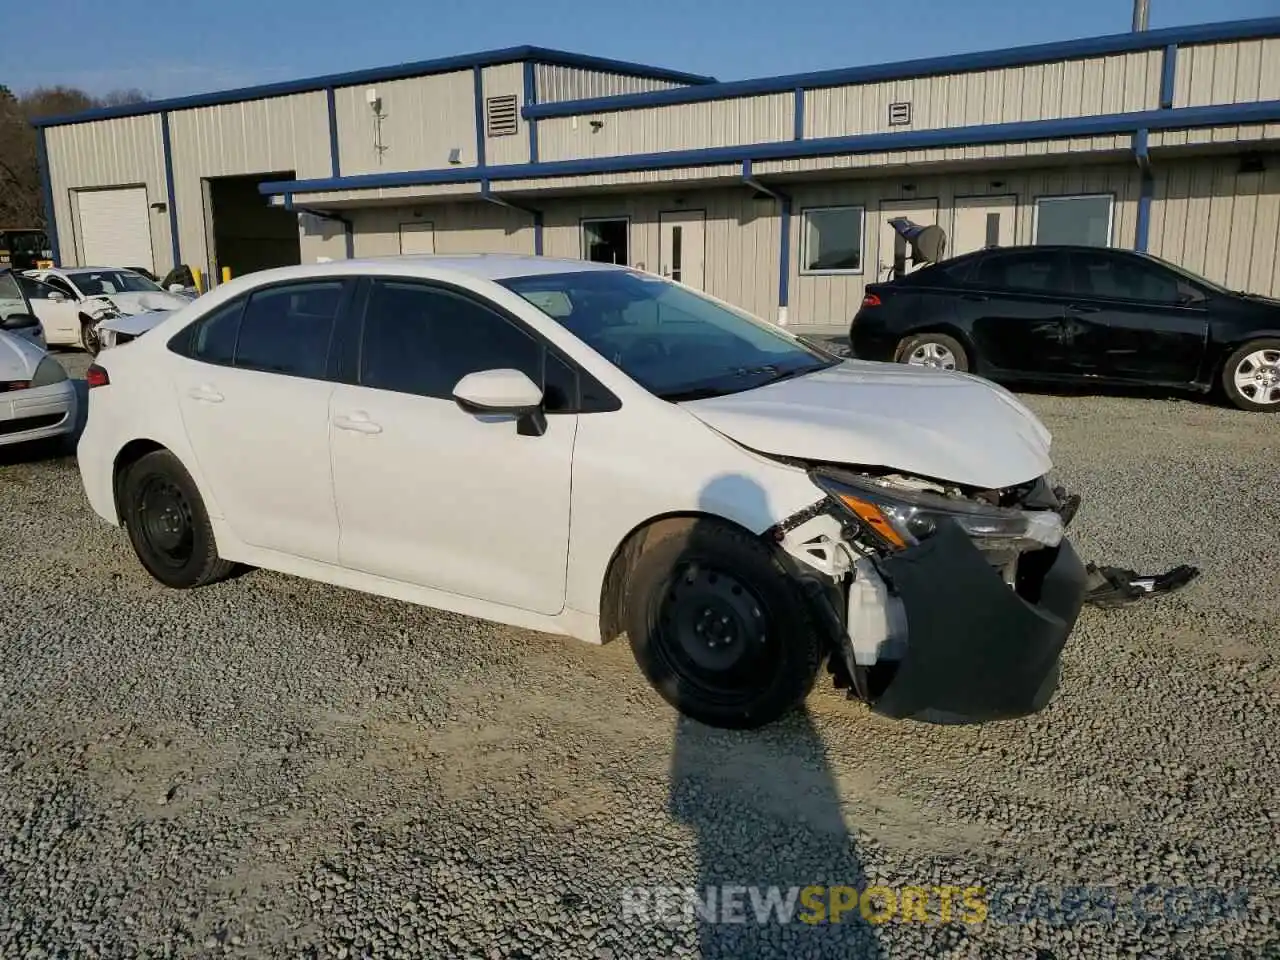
{"points": [[870, 514]]}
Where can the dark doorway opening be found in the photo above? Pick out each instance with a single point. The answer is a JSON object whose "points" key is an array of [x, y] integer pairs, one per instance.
{"points": [[605, 241], [246, 233]]}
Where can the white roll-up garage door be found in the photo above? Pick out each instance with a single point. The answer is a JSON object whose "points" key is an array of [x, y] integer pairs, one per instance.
{"points": [[115, 230]]}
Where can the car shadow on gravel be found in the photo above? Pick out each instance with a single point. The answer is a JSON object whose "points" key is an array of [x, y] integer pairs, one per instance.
{"points": [[779, 873]]}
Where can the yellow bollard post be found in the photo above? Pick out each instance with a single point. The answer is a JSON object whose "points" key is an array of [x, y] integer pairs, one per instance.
{"points": [[198, 276], [226, 274]]}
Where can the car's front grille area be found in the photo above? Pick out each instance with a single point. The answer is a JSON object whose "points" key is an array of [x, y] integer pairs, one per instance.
{"points": [[22, 424]]}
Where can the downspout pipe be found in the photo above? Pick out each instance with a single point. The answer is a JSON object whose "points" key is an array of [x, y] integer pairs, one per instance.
{"points": [[784, 245]]}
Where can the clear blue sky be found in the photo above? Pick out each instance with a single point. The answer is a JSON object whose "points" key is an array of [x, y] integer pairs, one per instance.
{"points": [[174, 49]]}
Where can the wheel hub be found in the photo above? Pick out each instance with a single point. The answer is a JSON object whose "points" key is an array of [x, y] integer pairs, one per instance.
{"points": [[1257, 376], [165, 520], [714, 620]]}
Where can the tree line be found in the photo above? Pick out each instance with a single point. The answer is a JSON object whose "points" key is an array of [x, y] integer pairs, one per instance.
{"points": [[21, 203]]}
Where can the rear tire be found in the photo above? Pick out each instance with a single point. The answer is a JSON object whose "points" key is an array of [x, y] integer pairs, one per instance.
{"points": [[718, 626], [1251, 376], [934, 350], [167, 523]]}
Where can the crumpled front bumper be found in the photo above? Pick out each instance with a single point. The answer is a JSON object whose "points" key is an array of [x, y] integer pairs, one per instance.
{"points": [[976, 649]]}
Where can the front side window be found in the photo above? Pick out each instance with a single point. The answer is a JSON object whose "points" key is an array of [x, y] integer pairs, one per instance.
{"points": [[1075, 221], [61, 286], [287, 329], [674, 342], [1032, 272], [12, 300], [422, 340], [1124, 278], [832, 240], [98, 283], [34, 289]]}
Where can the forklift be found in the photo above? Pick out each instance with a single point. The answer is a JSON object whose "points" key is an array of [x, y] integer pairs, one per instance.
{"points": [[25, 248]]}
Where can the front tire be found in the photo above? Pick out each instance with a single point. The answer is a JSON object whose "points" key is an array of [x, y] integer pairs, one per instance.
{"points": [[168, 525], [1251, 376], [89, 339], [718, 626], [935, 350]]}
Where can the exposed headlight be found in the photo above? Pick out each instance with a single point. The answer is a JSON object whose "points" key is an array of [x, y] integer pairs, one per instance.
{"points": [[902, 518], [48, 371]]}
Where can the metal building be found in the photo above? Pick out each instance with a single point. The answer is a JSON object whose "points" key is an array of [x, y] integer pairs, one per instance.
{"points": [[773, 193]]}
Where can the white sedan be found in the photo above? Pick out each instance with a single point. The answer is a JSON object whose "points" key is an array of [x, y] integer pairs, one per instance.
{"points": [[37, 401], [595, 451], [71, 302]]}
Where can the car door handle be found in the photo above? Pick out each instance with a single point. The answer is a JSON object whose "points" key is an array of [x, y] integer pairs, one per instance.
{"points": [[205, 393], [1082, 308], [357, 423]]}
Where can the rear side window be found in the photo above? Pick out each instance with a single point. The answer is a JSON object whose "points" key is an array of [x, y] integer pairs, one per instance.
{"points": [[1030, 272], [214, 338], [287, 329], [422, 340]]}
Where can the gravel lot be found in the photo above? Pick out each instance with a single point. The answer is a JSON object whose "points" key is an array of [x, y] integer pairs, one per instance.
{"points": [[272, 767]]}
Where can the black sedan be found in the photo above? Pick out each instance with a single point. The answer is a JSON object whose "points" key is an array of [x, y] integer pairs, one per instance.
{"points": [[1073, 314]]}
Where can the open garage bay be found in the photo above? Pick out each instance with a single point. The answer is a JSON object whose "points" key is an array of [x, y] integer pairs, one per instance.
{"points": [[274, 767]]}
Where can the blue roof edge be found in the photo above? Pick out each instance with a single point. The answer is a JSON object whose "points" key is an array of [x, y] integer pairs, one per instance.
{"points": [[1265, 111], [932, 66], [403, 71]]}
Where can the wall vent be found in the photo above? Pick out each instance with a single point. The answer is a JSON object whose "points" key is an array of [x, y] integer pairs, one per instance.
{"points": [[900, 114], [501, 115]]}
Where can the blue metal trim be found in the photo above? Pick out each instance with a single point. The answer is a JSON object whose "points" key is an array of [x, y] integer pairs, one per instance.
{"points": [[750, 180], [171, 195], [1143, 232], [784, 256], [530, 98], [933, 66], [1168, 74], [402, 71], [46, 197], [288, 201], [1140, 150], [799, 113], [478, 80], [331, 103], [1266, 111]]}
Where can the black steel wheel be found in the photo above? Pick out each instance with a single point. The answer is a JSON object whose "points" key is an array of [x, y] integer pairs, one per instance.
{"points": [[167, 523], [718, 626], [89, 338]]}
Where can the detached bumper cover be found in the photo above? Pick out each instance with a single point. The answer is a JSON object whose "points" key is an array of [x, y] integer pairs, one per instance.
{"points": [[976, 649]]}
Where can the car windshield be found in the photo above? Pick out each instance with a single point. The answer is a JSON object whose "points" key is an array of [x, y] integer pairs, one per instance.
{"points": [[95, 283], [11, 299], [673, 342]]}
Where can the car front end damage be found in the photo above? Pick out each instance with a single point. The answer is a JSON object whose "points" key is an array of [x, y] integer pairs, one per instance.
{"points": [[943, 603]]}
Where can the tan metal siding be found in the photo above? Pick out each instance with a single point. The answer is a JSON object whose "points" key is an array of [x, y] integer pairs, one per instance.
{"points": [[321, 238], [831, 301], [1237, 134], [379, 194], [1216, 221], [424, 118], [1073, 88], [684, 126], [108, 153], [1240, 72], [556, 84], [256, 136], [724, 171], [459, 228], [500, 81]]}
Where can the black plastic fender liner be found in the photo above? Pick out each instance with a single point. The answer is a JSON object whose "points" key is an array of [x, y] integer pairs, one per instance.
{"points": [[976, 650]]}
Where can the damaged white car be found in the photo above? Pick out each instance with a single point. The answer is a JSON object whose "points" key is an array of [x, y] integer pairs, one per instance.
{"points": [[590, 450]]}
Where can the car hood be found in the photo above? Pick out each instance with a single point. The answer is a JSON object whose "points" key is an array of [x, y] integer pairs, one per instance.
{"points": [[136, 324], [946, 426], [145, 300], [19, 357]]}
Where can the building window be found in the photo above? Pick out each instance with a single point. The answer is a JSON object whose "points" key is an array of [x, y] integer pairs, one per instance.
{"points": [[605, 241], [832, 240], [1083, 221]]}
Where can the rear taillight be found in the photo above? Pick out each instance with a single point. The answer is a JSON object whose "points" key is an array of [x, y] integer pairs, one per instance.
{"points": [[96, 376], [871, 300]]}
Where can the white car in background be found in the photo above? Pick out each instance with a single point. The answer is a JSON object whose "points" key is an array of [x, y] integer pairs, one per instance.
{"points": [[595, 451], [37, 400], [72, 302]]}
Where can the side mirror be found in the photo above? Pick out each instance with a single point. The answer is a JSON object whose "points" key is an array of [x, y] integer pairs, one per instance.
{"points": [[18, 321], [57, 296], [504, 391], [176, 288]]}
